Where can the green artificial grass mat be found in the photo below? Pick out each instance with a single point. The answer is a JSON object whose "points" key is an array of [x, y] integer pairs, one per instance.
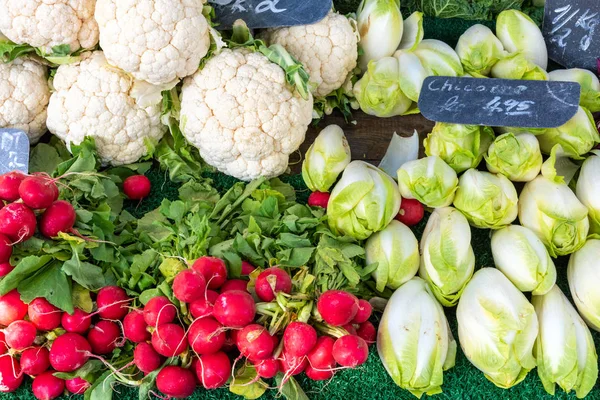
{"points": [[370, 381]]}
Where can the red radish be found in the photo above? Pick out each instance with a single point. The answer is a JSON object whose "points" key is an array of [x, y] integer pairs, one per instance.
{"points": [[206, 336], [234, 309], [231, 341], [337, 307], [69, 352], [364, 312], [213, 370], [176, 382], [213, 269], [299, 338], [17, 222], [159, 310], [189, 285], [135, 327], [247, 268], [318, 374], [146, 358], [271, 281], [5, 269], [35, 360], [103, 337], [77, 385], [5, 249], [318, 199], [9, 185], [350, 329], [10, 374], [112, 302], [411, 212], [204, 307], [255, 342], [235, 284], [350, 351], [367, 331], [20, 334], [47, 387], [321, 356], [267, 368], [44, 315], [79, 322], [11, 308], [38, 191], [3, 345], [59, 217], [292, 365], [169, 340], [137, 187]]}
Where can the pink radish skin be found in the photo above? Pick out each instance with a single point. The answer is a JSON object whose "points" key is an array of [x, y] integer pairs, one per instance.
{"points": [[79, 322], [337, 307], [234, 284], [350, 329], [103, 337], [291, 365], [77, 385], [319, 199], [299, 338], [11, 308], [159, 311], [271, 281], [318, 374], [17, 222], [47, 387], [267, 368], [9, 185], [112, 302], [367, 331], [169, 340], [247, 268], [350, 351], [5, 269], [44, 315], [10, 374], [146, 358], [35, 360], [5, 249], [59, 217], [206, 336], [38, 192], [3, 345], [213, 269], [69, 352], [137, 187], [364, 312], [231, 341], [234, 309], [135, 327], [255, 342], [213, 370], [20, 334], [188, 286], [176, 382], [321, 356], [204, 307]]}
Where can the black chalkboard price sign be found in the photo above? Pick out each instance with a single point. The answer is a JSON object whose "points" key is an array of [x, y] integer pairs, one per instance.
{"points": [[270, 13], [572, 32], [499, 102], [14, 151]]}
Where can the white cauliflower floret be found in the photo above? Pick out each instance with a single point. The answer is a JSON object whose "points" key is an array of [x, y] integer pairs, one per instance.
{"points": [[157, 41], [49, 23], [24, 95], [328, 50], [242, 115], [93, 99]]}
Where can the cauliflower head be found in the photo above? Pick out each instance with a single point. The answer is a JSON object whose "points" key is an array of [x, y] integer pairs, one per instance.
{"points": [[24, 95], [328, 50], [49, 23], [93, 99], [157, 41], [242, 115]]}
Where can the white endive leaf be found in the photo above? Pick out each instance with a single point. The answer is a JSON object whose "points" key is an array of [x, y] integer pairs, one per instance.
{"points": [[400, 150], [413, 32], [559, 167]]}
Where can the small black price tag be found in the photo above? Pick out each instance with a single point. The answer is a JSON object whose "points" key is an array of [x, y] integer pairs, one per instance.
{"points": [[14, 151], [499, 102], [270, 13]]}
